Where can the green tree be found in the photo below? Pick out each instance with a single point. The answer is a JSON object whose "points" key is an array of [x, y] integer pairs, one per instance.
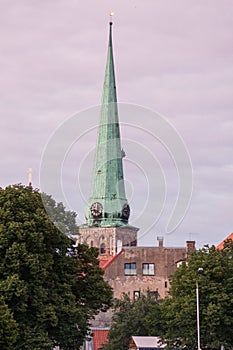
{"points": [[52, 288], [134, 317], [8, 327], [216, 300], [63, 219]]}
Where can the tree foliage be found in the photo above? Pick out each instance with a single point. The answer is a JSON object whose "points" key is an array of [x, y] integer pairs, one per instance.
{"points": [[8, 327], [133, 317], [216, 300], [50, 289], [63, 219]]}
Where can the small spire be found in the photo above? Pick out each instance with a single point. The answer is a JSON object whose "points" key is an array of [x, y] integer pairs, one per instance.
{"points": [[29, 172]]}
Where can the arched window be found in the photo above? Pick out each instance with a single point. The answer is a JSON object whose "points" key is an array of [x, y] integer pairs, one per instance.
{"points": [[102, 248]]}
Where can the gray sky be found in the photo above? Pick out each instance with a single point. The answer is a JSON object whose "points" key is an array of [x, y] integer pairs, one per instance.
{"points": [[174, 57]]}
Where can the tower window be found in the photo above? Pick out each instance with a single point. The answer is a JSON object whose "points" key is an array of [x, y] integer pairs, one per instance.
{"points": [[130, 269], [102, 248], [148, 269]]}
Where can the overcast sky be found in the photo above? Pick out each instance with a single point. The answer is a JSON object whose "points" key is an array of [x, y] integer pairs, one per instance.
{"points": [[174, 57]]}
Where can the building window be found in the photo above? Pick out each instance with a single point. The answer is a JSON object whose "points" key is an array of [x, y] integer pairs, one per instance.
{"points": [[154, 294], [136, 294], [102, 248], [130, 269], [148, 269]]}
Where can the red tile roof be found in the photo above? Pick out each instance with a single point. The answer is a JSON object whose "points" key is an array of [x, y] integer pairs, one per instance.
{"points": [[99, 337], [221, 245], [105, 261]]}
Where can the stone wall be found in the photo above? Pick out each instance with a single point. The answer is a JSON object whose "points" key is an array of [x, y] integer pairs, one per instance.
{"points": [[113, 238]]}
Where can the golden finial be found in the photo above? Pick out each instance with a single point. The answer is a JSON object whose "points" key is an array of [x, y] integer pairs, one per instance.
{"points": [[111, 15]]}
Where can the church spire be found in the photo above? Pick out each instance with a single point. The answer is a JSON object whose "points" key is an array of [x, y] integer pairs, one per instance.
{"points": [[107, 205]]}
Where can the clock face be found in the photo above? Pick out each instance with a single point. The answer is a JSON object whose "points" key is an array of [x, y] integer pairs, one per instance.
{"points": [[125, 211], [96, 209]]}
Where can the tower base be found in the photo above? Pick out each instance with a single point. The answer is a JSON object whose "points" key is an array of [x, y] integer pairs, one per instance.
{"points": [[109, 240]]}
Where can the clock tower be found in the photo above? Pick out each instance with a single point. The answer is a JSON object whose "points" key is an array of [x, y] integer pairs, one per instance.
{"points": [[107, 210]]}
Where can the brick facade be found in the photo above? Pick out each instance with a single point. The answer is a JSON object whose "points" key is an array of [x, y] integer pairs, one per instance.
{"points": [[131, 269], [152, 267]]}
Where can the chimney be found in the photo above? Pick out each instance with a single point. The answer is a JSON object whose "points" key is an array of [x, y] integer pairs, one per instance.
{"points": [[160, 240], [190, 247]]}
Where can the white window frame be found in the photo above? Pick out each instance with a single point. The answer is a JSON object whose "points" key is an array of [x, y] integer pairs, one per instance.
{"points": [[148, 269], [130, 269]]}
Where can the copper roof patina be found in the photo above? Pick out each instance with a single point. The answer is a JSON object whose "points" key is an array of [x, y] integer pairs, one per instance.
{"points": [[107, 205]]}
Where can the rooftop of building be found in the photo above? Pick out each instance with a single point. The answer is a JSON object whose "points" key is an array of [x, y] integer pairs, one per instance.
{"points": [[221, 245], [99, 337], [146, 342]]}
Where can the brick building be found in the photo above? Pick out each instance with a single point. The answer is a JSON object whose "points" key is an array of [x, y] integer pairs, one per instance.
{"points": [[137, 269]]}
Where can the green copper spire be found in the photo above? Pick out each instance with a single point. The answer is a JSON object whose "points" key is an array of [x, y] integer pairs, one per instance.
{"points": [[107, 205]]}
